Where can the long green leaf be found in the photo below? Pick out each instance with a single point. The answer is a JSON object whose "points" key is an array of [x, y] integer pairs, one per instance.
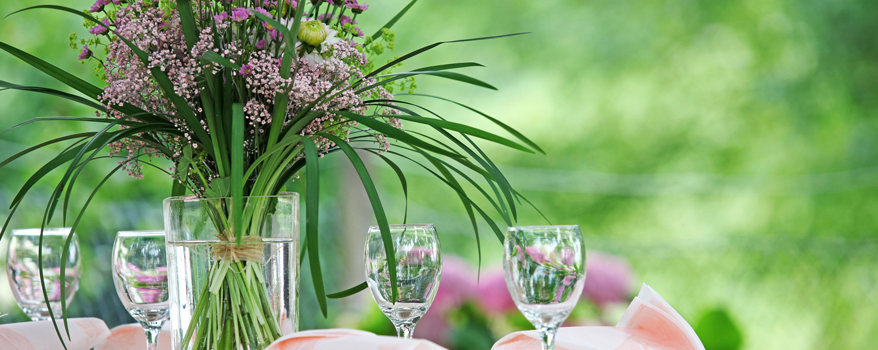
{"points": [[348, 292], [402, 181], [53, 92], [66, 249], [238, 171], [44, 144], [508, 128], [394, 133], [216, 58], [466, 129], [55, 72], [377, 208], [312, 217], [394, 19], [430, 47], [77, 119], [187, 21], [160, 77]]}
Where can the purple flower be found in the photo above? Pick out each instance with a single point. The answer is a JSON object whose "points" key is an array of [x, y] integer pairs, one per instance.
{"points": [[85, 54], [221, 17], [324, 17], [117, 2], [492, 293], [245, 69], [98, 6], [345, 20], [260, 44], [100, 28], [275, 35], [355, 7], [608, 279], [359, 32], [240, 14]]}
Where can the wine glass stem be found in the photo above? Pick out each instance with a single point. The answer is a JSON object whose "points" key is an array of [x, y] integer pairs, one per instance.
{"points": [[405, 330], [547, 334], [152, 330]]}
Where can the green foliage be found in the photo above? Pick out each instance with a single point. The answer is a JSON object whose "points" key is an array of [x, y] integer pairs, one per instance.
{"points": [[718, 331]]}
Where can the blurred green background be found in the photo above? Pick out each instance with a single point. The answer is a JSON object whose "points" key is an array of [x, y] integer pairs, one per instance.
{"points": [[727, 149]]}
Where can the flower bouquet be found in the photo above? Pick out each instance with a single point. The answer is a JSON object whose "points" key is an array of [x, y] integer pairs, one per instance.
{"points": [[242, 97]]}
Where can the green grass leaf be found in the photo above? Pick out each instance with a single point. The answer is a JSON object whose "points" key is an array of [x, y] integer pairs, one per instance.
{"points": [[395, 19], [312, 217], [348, 292], [466, 129], [377, 208], [394, 133], [53, 92], [238, 171]]}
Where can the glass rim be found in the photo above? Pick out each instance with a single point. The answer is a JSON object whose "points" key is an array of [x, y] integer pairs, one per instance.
{"points": [[48, 231], [141, 233], [542, 227], [194, 198], [404, 226]]}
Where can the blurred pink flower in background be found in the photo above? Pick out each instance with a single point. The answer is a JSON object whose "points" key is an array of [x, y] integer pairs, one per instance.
{"points": [[608, 279], [492, 293], [457, 286]]}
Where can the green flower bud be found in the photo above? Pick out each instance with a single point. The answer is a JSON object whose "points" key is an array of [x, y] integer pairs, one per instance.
{"points": [[312, 32]]}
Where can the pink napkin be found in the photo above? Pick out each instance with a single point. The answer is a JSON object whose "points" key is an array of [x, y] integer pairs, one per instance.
{"points": [[132, 337], [346, 339], [84, 334], [648, 324]]}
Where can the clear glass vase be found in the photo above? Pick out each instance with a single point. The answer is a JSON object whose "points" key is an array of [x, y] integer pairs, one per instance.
{"points": [[225, 295]]}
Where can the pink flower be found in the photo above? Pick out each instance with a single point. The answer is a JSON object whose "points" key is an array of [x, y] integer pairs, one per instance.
{"points": [[221, 17], [419, 255], [359, 32], [240, 14], [492, 293], [245, 69], [457, 286], [568, 256], [345, 20], [355, 7], [608, 279], [262, 11], [260, 44], [100, 28], [536, 254], [85, 54], [151, 278]]}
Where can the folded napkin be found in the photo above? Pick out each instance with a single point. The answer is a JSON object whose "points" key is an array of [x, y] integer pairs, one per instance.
{"points": [[85, 333], [650, 323], [132, 337], [346, 339]]}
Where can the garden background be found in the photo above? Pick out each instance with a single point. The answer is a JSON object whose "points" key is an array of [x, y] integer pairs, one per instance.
{"points": [[728, 150]]}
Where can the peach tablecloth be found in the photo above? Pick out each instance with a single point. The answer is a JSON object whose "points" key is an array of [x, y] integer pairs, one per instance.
{"points": [[85, 333], [650, 323]]}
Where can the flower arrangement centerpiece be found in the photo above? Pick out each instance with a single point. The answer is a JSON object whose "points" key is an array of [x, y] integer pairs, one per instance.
{"points": [[243, 96]]}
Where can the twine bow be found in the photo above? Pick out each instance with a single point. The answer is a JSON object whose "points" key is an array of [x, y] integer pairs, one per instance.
{"points": [[251, 249]]}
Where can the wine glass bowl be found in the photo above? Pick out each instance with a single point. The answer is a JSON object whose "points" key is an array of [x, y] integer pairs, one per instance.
{"points": [[140, 274], [22, 269], [418, 263], [545, 273]]}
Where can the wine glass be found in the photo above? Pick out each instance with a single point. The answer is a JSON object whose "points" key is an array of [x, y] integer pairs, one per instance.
{"points": [[140, 273], [545, 272], [22, 269], [418, 262]]}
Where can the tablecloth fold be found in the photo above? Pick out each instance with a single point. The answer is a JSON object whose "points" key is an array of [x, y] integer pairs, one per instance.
{"points": [[85, 333], [649, 323], [132, 337]]}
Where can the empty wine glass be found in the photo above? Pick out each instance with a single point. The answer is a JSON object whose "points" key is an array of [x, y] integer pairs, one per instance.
{"points": [[22, 269], [140, 273], [545, 272], [418, 270]]}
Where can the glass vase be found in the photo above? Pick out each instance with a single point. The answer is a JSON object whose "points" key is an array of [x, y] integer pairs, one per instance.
{"points": [[230, 293]]}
